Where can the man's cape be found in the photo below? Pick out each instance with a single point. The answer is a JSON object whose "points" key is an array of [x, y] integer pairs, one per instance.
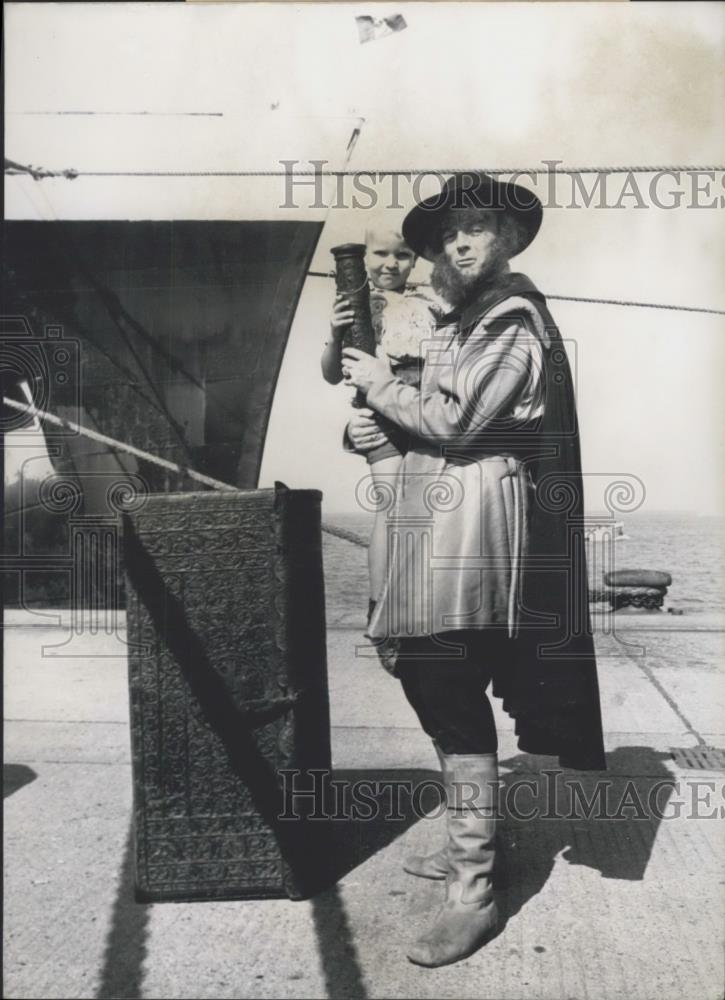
{"points": [[550, 685]]}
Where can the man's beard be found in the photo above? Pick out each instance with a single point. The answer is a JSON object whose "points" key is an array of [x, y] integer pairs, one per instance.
{"points": [[457, 287]]}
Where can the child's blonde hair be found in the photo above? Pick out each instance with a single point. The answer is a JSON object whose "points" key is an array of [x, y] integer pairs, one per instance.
{"points": [[387, 224]]}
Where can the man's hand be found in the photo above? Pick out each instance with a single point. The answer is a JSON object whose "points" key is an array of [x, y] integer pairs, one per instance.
{"points": [[361, 369], [364, 431]]}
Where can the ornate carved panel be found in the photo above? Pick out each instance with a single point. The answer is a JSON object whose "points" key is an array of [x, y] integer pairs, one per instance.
{"points": [[225, 592]]}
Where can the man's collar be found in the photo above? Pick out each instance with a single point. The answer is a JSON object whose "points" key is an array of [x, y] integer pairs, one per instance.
{"points": [[503, 285]]}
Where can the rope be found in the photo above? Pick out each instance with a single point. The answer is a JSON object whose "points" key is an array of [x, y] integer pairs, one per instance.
{"points": [[577, 298], [638, 305], [348, 536], [156, 392], [215, 484], [117, 311], [39, 173], [69, 425]]}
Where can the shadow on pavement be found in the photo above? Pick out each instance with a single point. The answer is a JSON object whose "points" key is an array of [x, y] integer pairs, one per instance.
{"points": [[606, 820], [123, 958], [336, 947], [15, 776], [384, 813], [603, 820]]}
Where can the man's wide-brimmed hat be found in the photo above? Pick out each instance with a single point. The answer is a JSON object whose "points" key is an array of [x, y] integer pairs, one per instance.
{"points": [[472, 190]]}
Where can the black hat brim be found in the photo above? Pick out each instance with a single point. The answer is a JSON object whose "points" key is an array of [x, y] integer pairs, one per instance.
{"points": [[421, 227]]}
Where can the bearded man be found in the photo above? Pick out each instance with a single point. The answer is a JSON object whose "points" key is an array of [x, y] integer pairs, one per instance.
{"points": [[486, 580]]}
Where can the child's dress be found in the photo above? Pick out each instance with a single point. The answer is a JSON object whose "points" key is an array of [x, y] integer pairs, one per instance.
{"points": [[402, 323]]}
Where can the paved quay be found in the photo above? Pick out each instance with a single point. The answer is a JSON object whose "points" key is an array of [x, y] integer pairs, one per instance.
{"points": [[627, 907]]}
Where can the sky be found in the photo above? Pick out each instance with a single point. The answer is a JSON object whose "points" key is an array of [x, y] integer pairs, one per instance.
{"points": [[464, 86]]}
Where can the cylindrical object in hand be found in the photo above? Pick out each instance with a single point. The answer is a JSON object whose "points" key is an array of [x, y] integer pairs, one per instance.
{"points": [[351, 279]]}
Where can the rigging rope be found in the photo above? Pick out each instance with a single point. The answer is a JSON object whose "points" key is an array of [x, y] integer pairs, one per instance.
{"points": [[13, 168], [638, 305], [577, 298], [70, 173], [39, 173]]}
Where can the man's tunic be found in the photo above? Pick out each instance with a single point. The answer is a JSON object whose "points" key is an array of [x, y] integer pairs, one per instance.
{"points": [[485, 529]]}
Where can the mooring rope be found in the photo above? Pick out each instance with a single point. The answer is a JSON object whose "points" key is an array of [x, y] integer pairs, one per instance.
{"points": [[348, 536], [70, 425], [164, 463]]}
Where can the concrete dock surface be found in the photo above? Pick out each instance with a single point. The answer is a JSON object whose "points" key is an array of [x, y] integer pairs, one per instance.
{"points": [[621, 906]]}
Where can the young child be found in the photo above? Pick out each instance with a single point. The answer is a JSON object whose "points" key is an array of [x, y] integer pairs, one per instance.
{"points": [[401, 320]]}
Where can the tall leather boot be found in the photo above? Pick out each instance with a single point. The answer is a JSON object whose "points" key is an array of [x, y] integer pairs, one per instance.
{"points": [[434, 865], [468, 917]]}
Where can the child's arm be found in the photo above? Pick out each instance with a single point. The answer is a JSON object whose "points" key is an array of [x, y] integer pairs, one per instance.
{"points": [[331, 362]]}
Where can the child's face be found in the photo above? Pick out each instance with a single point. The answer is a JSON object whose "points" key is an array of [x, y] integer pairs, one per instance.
{"points": [[388, 261]]}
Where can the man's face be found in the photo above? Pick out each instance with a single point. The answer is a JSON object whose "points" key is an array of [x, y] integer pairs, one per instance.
{"points": [[471, 243], [388, 261]]}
